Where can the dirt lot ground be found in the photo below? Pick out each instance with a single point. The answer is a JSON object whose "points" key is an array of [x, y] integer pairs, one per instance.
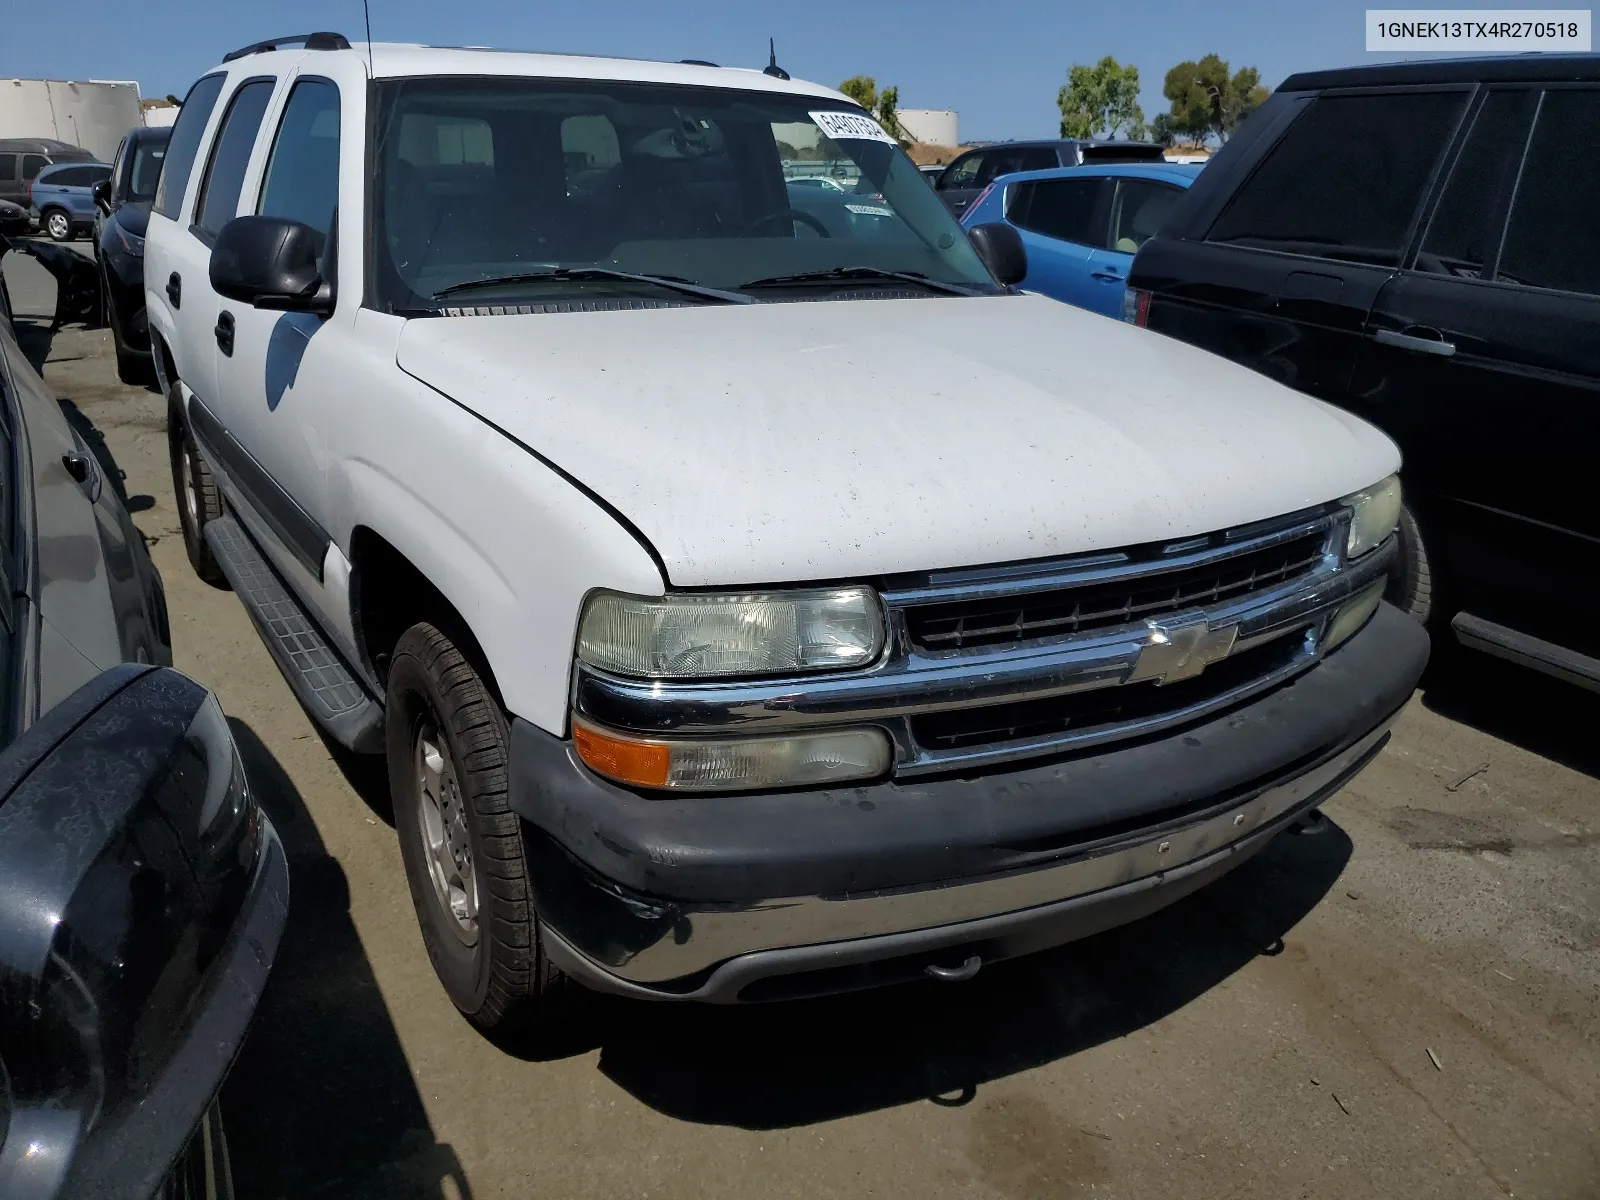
{"points": [[1405, 1005]]}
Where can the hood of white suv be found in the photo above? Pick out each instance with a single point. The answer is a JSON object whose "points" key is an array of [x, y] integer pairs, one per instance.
{"points": [[779, 442]]}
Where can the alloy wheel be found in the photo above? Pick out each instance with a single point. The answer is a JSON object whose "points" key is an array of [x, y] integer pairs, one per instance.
{"points": [[446, 847]]}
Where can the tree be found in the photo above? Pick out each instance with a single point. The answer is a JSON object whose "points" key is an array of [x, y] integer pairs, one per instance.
{"points": [[888, 113], [885, 105], [1207, 100], [1101, 100], [863, 89], [1161, 130]]}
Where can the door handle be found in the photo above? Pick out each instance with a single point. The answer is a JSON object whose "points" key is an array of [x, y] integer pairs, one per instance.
{"points": [[1424, 341], [175, 289], [960, 974], [224, 333], [1108, 276], [82, 469]]}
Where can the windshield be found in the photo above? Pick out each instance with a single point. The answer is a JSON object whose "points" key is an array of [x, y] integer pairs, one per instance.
{"points": [[147, 159], [483, 179]]}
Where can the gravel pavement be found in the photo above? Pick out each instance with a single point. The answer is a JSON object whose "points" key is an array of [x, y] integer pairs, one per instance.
{"points": [[1406, 1004]]}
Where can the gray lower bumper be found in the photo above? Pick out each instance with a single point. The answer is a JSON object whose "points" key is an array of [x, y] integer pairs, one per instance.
{"points": [[961, 926]]}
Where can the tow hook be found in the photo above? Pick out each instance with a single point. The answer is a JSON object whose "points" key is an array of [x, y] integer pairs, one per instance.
{"points": [[954, 974]]}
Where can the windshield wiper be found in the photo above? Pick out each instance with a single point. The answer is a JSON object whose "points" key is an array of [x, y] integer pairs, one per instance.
{"points": [[840, 274], [670, 282]]}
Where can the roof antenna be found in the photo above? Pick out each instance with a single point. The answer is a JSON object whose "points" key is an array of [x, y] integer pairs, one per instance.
{"points": [[366, 14], [773, 68]]}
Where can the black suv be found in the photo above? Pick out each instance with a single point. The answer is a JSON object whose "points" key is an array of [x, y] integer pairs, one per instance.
{"points": [[1417, 242], [973, 171]]}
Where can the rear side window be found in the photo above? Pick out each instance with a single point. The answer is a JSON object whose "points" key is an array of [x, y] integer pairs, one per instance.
{"points": [[185, 144], [302, 181], [1551, 242], [8, 166], [1465, 230], [1345, 181], [219, 195], [1057, 208], [32, 164], [1141, 206]]}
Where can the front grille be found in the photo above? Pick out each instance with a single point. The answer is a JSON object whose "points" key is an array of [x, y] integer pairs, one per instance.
{"points": [[1083, 712], [1102, 605]]}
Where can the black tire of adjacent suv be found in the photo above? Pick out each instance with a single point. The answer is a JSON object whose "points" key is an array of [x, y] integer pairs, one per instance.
{"points": [[195, 491], [1411, 586], [496, 972]]}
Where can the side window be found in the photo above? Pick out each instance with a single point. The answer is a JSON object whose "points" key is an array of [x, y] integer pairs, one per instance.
{"points": [[32, 164], [1040, 159], [118, 161], [185, 145], [302, 180], [96, 174], [997, 163], [964, 173], [8, 167], [1058, 208], [1346, 179], [1465, 229], [1140, 207], [1551, 242], [219, 194]]}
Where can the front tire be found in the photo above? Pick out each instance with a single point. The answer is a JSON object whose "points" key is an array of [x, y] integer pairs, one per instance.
{"points": [[196, 492], [462, 845], [57, 223]]}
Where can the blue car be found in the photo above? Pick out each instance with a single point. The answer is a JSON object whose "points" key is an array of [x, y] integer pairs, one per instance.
{"points": [[63, 197], [1082, 226]]}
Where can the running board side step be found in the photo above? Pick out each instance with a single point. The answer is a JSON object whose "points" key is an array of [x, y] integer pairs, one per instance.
{"points": [[1525, 650], [321, 680]]}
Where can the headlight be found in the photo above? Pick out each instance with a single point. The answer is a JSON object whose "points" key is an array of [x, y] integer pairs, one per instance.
{"points": [[733, 764], [1374, 513], [132, 243], [701, 636]]}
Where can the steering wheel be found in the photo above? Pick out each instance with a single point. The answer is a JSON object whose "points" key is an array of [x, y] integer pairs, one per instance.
{"points": [[794, 214]]}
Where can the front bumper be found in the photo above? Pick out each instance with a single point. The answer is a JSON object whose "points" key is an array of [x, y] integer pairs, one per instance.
{"points": [[728, 898]]}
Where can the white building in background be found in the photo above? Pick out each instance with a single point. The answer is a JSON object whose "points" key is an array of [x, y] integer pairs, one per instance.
{"points": [[92, 113], [159, 114], [936, 126]]}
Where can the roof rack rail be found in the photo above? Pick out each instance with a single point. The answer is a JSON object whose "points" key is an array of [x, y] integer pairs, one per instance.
{"points": [[304, 41], [697, 62]]}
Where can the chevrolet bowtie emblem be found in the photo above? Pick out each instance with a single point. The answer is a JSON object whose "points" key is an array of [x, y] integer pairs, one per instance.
{"points": [[1181, 648]]}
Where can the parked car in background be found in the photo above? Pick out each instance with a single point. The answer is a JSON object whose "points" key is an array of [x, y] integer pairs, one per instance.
{"points": [[63, 198], [959, 183], [14, 220], [145, 891], [697, 677], [21, 160], [1082, 225], [1422, 252], [931, 173], [122, 212]]}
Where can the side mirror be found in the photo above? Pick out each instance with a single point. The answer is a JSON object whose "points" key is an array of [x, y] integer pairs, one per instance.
{"points": [[270, 262], [141, 878], [1000, 247], [102, 195]]}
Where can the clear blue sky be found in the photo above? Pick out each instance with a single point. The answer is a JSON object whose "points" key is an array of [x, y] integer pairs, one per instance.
{"points": [[999, 65]]}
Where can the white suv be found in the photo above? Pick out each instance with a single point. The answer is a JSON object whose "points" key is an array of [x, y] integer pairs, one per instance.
{"points": [[753, 596]]}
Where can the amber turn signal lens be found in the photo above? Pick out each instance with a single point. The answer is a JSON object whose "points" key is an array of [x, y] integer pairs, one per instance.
{"points": [[642, 763]]}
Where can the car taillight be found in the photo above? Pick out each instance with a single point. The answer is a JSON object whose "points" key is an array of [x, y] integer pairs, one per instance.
{"points": [[1136, 307]]}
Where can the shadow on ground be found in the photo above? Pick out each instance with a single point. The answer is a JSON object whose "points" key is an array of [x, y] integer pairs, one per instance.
{"points": [[1543, 715], [321, 1102], [771, 1066]]}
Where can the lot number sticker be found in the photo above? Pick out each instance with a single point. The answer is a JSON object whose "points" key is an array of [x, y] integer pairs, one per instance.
{"points": [[850, 126]]}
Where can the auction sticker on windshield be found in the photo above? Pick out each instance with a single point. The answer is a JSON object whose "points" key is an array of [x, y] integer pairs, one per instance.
{"points": [[848, 125]]}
